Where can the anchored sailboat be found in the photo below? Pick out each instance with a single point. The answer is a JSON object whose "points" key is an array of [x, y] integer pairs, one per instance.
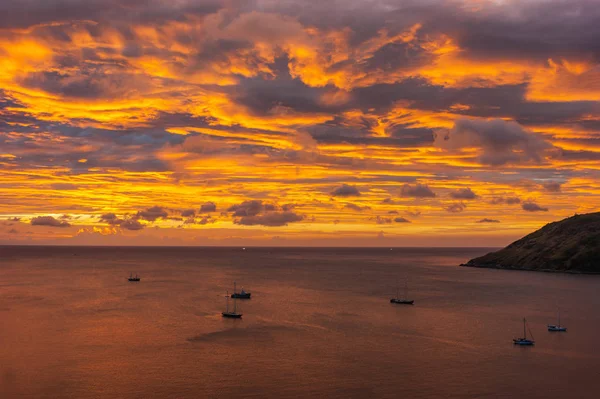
{"points": [[524, 340], [405, 300], [227, 313], [131, 278], [557, 327], [240, 295]]}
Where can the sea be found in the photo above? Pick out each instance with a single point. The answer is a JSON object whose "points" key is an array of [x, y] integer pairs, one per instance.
{"points": [[319, 324]]}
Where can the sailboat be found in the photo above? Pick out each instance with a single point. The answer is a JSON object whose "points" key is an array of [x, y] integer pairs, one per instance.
{"points": [[240, 295], [131, 278], [405, 300], [227, 313], [524, 340], [557, 327]]}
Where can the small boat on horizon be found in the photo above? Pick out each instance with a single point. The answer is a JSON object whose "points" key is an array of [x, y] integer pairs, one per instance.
{"points": [[524, 341], [405, 300], [234, 314], [240, 295], [131, 278], [557, 327]]}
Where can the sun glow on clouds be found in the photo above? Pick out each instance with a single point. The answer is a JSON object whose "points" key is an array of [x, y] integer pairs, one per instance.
{"points": [[165, 107]]}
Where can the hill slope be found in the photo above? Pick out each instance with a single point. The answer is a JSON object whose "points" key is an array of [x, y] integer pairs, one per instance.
{"points": [[570, 245]]}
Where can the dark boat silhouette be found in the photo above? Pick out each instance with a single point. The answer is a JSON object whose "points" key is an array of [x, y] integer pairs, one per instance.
{"points": [[402, 301], [524, 341], [131, 278], [557, 327], [234, 314], [240, 295]]}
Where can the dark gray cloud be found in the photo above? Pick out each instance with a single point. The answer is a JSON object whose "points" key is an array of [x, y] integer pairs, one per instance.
{"points": [[247, 208], [533, 207], [505, 200], [49, 221], [152, 214], [128, 223], [456, 207], [208, 207], [356, 207], [110, 218], [131, 224], [383, 220], [417, 191], [401, 220], [345, 190], [272, 218], [463, 193], [486, 220], [63, 186], [552, 186], [120, 13], [188, 213], [500, 142]]}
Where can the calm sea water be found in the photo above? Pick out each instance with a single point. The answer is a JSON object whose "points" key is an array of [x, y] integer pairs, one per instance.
{"points": [[319, 324]]}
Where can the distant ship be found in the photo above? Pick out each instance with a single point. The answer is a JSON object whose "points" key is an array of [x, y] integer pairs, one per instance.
{"points": [[131, 278], [240, 295], [227, 313], [524, 340], [405, 300], [557, 327]]}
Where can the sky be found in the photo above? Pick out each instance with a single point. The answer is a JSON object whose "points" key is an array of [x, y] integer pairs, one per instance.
{"points": [[342, 122]]}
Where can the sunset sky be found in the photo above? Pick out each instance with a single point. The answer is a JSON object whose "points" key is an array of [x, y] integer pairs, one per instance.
{"points": [[343, 122]]}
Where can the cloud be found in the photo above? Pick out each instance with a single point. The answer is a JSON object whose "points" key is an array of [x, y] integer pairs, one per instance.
{"points": [[533, 207], [401, 220], [247, 208], [110, 218], [49, 221], [355, 207], [486, 220], [456, 207], [131, 224], [188, 213], [417, 191], [505, 200], [205, 220], [382, 220], [392, 212], [288, 207], [208, 207], [152, 214], [63, 186], [463, 193], [345, 190], [499, 142], [273, 218], [552, 187]]}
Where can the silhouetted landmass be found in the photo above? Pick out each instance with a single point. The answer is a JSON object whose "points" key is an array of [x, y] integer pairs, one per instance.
{"points": [[571, 245]]}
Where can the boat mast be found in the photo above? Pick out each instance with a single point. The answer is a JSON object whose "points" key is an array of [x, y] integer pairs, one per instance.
{"points": [[227, 302], [234, 288], [235, 304], [559, 317], [405, 289], [524, 329]]}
